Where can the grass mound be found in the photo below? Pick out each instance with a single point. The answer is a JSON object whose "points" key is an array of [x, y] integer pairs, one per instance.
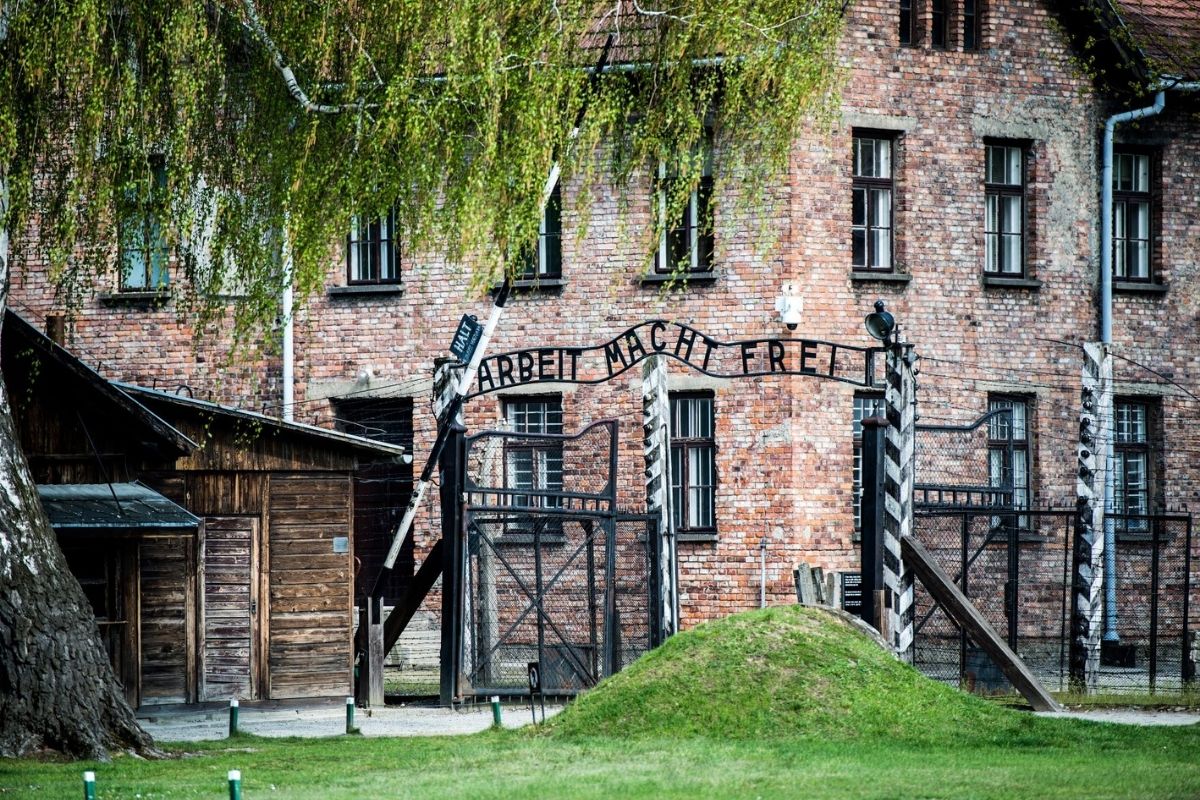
{"points": [[788, 672]]}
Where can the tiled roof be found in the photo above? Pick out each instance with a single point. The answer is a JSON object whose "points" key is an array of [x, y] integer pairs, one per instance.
{"points": [[1167, 32]]}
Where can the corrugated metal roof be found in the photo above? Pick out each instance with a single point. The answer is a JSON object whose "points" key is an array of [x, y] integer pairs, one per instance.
{"points": [[112, 505]]}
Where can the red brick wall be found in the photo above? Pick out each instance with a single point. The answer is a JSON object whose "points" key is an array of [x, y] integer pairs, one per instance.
{"points": [[785, 443]]}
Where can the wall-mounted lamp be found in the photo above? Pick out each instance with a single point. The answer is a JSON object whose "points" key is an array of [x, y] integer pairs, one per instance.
{"points": [[790, 306], [880, 324]]}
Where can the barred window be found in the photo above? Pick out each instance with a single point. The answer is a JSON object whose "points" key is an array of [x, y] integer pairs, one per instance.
{"points": [[693, 464], [1008, 450], [534, 466], [1131, 465]]}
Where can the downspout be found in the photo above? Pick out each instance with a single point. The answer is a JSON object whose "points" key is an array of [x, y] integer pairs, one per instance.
{"points": [[289, 350], [1106, 320], [1106, 314]]}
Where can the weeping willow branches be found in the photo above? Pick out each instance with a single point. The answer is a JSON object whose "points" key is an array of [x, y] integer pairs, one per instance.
{"points": [[227, 120]]}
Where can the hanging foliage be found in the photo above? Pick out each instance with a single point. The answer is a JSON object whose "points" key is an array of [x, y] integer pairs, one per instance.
{"points": [[236, 126]]}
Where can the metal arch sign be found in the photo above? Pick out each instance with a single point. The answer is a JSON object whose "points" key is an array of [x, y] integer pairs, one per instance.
{"points": [[738, 359]]}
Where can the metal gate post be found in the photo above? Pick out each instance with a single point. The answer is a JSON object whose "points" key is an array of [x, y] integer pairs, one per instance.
{"points": [[453, 569], [610, 594], [901, 399], [871, 516], [1188, 670], [1095, 430]]}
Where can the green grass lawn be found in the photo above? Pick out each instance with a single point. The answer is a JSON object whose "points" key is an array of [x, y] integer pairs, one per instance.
{"points": [[781, 703], [1099, 762]]}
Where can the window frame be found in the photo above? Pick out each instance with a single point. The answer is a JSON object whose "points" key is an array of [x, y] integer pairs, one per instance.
{"points": [[539, 475], [544, 263], [1122, 450], [868, 184], [386, 247], [1125, 196], [139, 214], [939, 27], [972, 27], [681, 484], [695, 227], [1001, 191], [1022, 494], [907, 23]]}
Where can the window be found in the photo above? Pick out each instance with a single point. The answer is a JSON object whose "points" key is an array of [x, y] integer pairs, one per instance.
{"points": [[865, 405], [686, 243], [871, 236], [1008, 451], [534, 465], [970, 24], [1131, 465], [372, 250], [693, 464], [937, 34], [142, 244], [545, 263], [1004, 215], [907, 20], [1131, 216]]}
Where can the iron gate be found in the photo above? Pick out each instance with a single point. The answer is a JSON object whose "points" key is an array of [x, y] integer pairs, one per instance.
{"points": [[554, 574], [1016, 570]]}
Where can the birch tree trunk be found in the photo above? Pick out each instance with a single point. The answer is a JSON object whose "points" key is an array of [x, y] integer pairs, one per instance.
{"points": [[57, 688]]}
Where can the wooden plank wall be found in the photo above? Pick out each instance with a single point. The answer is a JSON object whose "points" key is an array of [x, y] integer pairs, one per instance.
{"points": [[227, 566], [310, 586], [167, 619]]}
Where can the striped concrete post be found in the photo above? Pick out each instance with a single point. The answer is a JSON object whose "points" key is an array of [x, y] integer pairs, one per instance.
{"points": [[901, 399], [1087, 595], [656, 439]]}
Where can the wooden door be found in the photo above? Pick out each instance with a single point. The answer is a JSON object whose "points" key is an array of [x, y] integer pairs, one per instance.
{"points": [[229, 610]]}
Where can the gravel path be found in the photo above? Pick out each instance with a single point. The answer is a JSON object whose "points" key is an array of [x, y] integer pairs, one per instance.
{"points": [[425, 720], [330, 720], [1131, 716]]}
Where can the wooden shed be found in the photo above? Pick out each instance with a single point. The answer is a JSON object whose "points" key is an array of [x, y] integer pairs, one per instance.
{"points": [[215, 544]]}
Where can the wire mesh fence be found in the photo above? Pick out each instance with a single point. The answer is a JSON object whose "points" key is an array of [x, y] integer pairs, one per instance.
{"points": [[572, 593], [1016, 568], [555, 575]]}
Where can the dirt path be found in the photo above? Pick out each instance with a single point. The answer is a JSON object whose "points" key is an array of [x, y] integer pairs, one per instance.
{"points": [[330, 720]]}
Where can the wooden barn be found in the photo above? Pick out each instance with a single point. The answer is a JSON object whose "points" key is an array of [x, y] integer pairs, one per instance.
{"points": [[215, 545]]}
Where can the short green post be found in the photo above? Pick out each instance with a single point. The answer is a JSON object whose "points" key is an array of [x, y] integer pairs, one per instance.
{"points": [[350, 715], [496, 711], [233, 717], [235, 784], [89, 786]]}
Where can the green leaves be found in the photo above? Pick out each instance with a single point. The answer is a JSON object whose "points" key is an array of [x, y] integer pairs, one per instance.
{"points": [[451, 112]]}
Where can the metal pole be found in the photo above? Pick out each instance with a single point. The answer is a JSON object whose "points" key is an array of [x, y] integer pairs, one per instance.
{"points": [[762, 573], [1154, 585], [233, 717], [235, 784], [89, 786]]}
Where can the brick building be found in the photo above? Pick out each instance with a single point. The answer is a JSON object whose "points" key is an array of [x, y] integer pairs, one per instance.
{"points": [[961, 185]]}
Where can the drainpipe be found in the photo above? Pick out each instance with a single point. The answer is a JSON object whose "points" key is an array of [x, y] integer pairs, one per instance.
{"points": [[289, 365], [1106, 319]]}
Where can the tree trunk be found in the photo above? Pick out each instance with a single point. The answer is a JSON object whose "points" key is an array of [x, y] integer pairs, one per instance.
{"points": [[57, 688]]}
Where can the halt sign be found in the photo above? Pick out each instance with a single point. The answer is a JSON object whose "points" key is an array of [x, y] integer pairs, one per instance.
{"points": [[466, 338]]}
